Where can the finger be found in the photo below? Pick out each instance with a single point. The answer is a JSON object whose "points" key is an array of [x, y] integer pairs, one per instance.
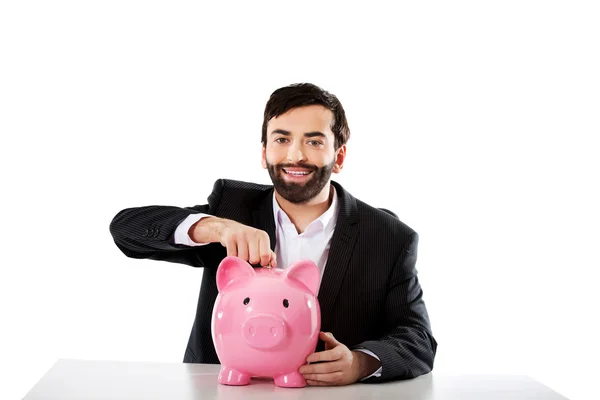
{"points": [[332, 378], [242, 249], [327, 355], [321, 368], [316, 383], [273, 261], [265, 251], [335, 379], [329, 339], [231, 246], [254, 250]]}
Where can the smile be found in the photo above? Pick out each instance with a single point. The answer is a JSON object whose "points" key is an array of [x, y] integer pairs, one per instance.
{"points": [[296, 173]]}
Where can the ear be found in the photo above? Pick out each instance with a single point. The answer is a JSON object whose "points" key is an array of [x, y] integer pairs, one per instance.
{"points": [[232, 268], [264, 157], [304, 271], [340, 157]]}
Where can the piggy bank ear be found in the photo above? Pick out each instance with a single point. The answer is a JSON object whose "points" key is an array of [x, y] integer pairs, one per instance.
{"points": [[306, 272], [232, 268]]}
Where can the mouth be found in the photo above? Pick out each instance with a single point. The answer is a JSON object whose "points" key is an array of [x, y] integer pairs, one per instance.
{"points": [[296, 174]]}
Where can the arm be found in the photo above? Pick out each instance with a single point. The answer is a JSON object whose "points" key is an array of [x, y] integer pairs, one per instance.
{"points": [[408, 349], [184, 236], [149, 232]]}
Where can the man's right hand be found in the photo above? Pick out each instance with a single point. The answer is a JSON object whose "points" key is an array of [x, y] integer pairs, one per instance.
{"points": [[249, 244]]}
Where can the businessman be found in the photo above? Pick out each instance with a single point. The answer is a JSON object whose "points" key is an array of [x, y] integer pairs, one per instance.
{"points": [[375, 326]]}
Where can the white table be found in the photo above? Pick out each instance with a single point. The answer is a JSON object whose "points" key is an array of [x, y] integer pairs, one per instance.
{"points": [[109, 380]]}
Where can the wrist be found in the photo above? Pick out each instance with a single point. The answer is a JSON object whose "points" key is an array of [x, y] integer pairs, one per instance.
{"points": [[207, 230], [367, 364]]}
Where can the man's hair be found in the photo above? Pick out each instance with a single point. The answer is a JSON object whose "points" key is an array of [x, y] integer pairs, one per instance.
{"points": [[305, 94]]}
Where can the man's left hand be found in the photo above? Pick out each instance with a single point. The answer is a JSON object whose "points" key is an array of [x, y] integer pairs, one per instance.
{"points": [[337, 365]]}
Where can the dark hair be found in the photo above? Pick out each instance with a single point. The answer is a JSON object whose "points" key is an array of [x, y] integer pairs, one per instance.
{"points": [[305, 94]]}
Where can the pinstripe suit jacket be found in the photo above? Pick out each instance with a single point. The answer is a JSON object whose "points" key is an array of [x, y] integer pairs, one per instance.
{"points": [[370, 296]]}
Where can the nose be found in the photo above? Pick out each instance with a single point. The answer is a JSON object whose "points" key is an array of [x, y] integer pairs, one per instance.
{"points": [[295, 153], [264, 331]]}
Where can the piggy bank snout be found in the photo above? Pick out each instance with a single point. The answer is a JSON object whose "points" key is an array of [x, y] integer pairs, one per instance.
{"points": [[264, 331]]}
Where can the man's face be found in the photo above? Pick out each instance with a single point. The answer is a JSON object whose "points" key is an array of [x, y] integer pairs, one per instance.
{"points": [[299, 152]]}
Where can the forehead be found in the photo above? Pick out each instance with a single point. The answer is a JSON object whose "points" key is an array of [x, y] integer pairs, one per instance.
{"points": [[303, 119]]}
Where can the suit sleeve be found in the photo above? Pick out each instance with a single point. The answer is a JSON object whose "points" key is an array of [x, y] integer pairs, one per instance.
{"points": [[408, 348], [147, 232]]}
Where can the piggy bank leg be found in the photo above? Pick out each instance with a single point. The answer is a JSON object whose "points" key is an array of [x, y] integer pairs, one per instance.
{"points": [[230, 376], [293, 379]]}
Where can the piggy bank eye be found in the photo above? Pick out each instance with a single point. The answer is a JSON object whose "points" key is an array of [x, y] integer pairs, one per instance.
{"points": [[246, 301], [286, 303]]}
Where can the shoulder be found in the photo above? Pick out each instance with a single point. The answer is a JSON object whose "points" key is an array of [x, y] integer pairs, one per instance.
{"points": [[229, 190], [374, 221], [231, 185], [382, 220]]}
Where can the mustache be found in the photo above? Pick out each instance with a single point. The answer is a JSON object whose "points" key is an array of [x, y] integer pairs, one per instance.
{"points": [[300, 165]]}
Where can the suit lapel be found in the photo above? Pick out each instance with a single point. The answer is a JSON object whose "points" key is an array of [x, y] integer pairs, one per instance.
{"points": [[340, 253], [263, 217]]}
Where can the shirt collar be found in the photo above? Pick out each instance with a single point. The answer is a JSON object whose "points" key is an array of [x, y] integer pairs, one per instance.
{"points": [[327, 220]]}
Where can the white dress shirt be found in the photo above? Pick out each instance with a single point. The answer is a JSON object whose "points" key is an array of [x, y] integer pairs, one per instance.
{"points": [[312, 244]]}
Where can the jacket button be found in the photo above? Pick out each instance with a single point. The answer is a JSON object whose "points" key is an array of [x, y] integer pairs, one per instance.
{"points": [[145, 233], [156, 232]]}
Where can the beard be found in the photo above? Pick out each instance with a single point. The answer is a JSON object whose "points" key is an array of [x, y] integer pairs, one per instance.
{"points": [[300, 193]]}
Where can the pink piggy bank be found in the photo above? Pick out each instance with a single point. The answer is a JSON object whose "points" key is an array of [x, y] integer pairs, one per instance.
{"points": [[265, 322]]}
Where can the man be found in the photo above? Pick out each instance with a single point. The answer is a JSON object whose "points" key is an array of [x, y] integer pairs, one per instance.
{"points": [[374, 320]]}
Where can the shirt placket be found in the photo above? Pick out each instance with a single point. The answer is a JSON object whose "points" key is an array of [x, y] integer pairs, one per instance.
{"points": [[298, 249]]}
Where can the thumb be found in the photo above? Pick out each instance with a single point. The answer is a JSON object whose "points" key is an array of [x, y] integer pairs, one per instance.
{"points": [[330, 341]]}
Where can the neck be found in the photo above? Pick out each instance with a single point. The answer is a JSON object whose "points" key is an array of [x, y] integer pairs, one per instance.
{"points": [[302, 215]]}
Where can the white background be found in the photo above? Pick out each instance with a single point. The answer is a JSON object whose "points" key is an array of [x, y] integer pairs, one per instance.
{"points": [[476, 122]]}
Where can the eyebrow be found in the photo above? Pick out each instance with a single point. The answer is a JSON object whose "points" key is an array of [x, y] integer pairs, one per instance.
{"points": [[307, 134]]}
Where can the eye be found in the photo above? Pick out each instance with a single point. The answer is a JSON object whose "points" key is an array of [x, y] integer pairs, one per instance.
{"points": [[246, 301], [281, 140], [314, 143], [286, 303]]}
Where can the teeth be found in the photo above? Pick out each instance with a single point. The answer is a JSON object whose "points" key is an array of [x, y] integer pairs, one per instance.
{"points": [[296, 173]]}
